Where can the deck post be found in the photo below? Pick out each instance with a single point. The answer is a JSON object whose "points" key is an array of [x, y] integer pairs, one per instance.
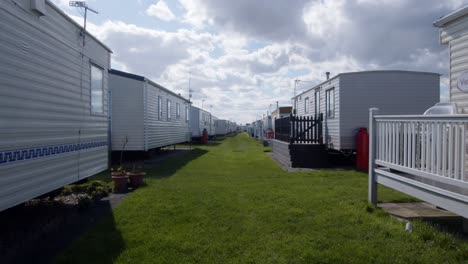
{"points": [[372, 144]]}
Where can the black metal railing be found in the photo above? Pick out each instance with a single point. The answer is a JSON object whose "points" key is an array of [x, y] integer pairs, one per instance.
{"points": [[300, 129], [283, 128]]}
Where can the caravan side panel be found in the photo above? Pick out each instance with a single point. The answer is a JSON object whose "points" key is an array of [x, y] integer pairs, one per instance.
{"points": [[167, 129], [331, 126], [456, 35], [195, 121], [213, 124], [127, 113], [204, 121], [454, 30], [221, 127], [48, 135], [458, 66], [393, 92]]}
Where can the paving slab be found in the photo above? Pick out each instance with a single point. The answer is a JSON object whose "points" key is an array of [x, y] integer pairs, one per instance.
{"points": [[421, 210]]}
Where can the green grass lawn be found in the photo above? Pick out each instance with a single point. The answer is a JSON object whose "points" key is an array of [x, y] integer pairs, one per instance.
{"points": [[230, 203]]}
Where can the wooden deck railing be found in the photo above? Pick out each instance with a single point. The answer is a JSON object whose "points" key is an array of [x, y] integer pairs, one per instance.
{"points": [[431, 147], [422, 156]]}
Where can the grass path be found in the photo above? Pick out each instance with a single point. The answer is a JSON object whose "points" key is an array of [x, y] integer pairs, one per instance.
{"points": [[231, 203]]}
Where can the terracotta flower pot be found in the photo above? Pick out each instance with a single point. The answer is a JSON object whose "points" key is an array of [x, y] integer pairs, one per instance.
{"points": [[120, 183], [136, 178]]}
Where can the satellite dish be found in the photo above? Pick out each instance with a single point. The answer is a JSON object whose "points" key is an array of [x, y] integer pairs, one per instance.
{"points": [[462, 82]]}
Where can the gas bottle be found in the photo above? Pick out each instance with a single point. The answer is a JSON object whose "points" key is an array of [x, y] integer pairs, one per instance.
{"points": [[362, 150], [205, 137]]}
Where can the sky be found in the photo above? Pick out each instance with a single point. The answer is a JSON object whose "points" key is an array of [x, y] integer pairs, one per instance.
{"points": [[243, 56]]}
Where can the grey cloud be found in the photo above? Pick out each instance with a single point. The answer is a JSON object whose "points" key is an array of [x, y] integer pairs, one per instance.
{"points": [[271, 20], [382, 33]]}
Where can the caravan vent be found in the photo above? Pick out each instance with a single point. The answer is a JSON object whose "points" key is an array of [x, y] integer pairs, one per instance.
{"points": [[39, 7]]}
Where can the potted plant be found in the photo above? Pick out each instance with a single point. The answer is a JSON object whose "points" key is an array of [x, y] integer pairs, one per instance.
{"points": [[136, 178], [120, 179]]}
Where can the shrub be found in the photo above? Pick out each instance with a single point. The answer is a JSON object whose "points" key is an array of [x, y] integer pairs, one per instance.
{"points": [[95, 189]]}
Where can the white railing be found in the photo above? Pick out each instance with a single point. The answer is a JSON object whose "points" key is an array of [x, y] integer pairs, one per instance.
{"points": [[428, 146]]}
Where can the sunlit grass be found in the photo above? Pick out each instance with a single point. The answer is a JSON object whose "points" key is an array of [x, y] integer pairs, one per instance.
{"points": [[230, 203]]}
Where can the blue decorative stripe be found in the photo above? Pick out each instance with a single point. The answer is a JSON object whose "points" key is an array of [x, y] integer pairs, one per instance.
{"points": [[13, 156]]}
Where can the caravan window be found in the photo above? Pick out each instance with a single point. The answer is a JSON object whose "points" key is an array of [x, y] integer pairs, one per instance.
{"points": [[295, 106], [169, 114], [186, 113], [160, 114], [97, 90], [317, 102], [306, 105], [177, 110], [330, 102]]}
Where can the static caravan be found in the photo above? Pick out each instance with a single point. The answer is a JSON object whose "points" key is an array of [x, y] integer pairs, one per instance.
{"points": [[199, 120], [267, 123], [212, 131], [280, 112], [425, 155], [221, 127], [250, 129], [345, 99], [145, 115], [53, 100], [258, 129], [232, 127]]}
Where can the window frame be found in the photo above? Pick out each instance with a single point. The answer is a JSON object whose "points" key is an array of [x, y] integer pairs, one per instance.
{"points": [[101, 113], [330, 110], [295, 105], [160, 111], [169, 110], [177, 110], [317, 102], [187, 113], [306, 105]]}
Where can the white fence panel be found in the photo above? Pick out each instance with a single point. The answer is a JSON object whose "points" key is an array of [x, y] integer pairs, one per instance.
{"points": [[433, 145]]}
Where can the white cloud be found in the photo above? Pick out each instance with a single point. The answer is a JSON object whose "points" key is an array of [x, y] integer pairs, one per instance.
{"points": [[324, 18], [195, 13], [299, 40], [161, 11]]}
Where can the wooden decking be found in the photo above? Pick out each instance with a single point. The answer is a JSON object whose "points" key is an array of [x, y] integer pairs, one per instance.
{"points": [[301, 155]]}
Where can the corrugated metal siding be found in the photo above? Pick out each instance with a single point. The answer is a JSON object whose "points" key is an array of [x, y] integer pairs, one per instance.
{"points": [[195, 121], [213, 122], [454, 30], [458, 65], [331, 127], [164, 132], [45, 104], [200, 120], [393, 92], [127, 113], [204, 121], [221, 127], [457, 36]]}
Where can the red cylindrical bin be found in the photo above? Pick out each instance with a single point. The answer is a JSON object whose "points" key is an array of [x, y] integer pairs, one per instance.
{"points": [[362, 149], [205, 137]]}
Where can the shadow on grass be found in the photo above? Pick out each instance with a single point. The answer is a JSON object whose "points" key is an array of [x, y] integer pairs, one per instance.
{"points": [[210, 143], [37, 232], [171, 166], [104, 243]]}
